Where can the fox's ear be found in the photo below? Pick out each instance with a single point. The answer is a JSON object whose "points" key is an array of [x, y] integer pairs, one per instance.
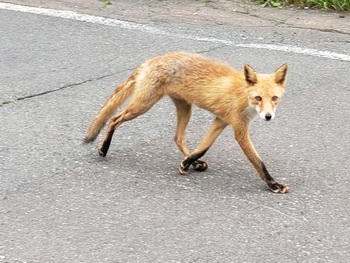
{"points": [[250, 74], [280, 74]]}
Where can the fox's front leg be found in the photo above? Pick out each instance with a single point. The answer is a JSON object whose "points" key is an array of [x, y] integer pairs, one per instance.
{"points": [[184, 111], [192, 159], [242, 137]]}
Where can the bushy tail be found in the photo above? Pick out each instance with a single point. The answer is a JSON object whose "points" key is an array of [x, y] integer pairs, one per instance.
{"points": [[117, 99]]}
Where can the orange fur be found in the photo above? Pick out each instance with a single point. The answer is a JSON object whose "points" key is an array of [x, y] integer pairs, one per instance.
{"points": [[234, 97]]}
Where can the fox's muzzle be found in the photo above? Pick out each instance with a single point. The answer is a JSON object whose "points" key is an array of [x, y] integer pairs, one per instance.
{"points": [[266, 116]]}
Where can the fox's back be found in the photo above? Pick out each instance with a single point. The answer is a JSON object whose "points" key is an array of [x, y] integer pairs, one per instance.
{"points": [[191, 72], [178, 67]]}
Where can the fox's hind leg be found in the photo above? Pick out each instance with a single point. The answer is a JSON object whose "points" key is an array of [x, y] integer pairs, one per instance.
{"points": [[184, 111], [138, 106], [192, 159]]}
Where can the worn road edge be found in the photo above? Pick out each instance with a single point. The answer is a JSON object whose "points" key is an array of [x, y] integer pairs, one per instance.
{"points": [[154, 30]]}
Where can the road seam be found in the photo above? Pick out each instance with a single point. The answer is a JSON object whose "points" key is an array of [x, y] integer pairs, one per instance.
{"points": [[54, 90]]}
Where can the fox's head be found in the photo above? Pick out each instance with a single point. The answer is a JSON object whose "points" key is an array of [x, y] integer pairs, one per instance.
{"points": [[265, 91]]}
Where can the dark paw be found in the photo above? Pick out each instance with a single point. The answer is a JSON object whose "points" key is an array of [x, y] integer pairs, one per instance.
{"points": [[183, 169], [278, 188], [185, 165], [102, 150], [101, 153], [200, 166]]}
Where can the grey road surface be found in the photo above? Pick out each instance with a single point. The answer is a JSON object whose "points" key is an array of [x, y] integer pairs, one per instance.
{"points": [[61, 202]]}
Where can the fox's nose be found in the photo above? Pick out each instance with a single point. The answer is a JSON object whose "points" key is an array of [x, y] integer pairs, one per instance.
{"points": [[268, 116]]}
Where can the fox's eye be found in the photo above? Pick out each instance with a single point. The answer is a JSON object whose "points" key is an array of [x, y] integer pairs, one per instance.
{"points": [[274, 98], [258, 98]]}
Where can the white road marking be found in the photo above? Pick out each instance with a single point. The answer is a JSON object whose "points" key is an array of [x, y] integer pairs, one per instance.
{"points": [[299, 50], [154, 30]]}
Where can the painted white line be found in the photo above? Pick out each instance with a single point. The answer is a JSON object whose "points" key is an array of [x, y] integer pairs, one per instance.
{"points": [[154, 30], [299, 50]]}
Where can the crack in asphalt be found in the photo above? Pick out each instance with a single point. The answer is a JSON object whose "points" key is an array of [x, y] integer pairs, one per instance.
{"points": [[328, 30], [63, 87], [54, 90], [210, 49]]}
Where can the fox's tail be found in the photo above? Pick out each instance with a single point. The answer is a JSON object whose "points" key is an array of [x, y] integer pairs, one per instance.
{"points": [[116, 100]]}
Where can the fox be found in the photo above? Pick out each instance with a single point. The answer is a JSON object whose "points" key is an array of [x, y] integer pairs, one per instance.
{"points": [[234, 97]]}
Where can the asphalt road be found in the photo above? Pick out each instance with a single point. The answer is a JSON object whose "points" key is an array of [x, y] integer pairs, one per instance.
{"points": [[60, 202]]}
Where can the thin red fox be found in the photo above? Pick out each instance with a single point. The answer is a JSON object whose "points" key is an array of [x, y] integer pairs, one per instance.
{"points": [[234, 97]]}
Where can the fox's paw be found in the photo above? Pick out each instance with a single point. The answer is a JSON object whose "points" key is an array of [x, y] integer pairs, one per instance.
{"points": [[278, 188], [101, 153], [182, 169], [200, 166], [102, 150], [185, 165]]}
